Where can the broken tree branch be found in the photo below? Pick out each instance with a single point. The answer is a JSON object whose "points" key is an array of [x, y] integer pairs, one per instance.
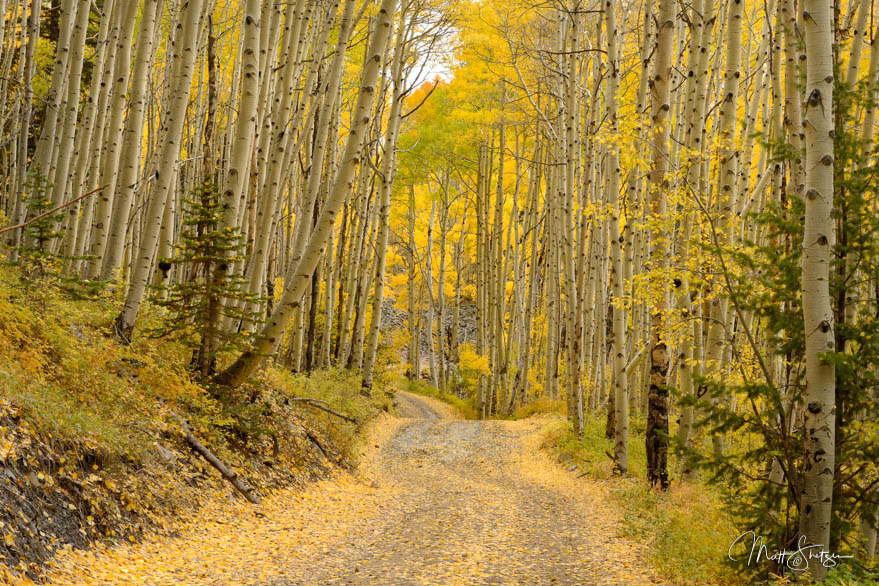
{"points": [[228, 474], [323, 407], [53, 210]]}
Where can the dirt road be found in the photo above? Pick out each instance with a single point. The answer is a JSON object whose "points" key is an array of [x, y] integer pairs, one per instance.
{"points": [[436, 500]]}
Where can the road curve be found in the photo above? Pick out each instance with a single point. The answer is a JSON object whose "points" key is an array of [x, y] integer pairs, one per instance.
{"points": [[435, 500]]}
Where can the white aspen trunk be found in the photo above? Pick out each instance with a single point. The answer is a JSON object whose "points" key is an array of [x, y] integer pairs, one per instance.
{"points": [[91, 132], [820, 397], [657, 412], [43, 154], [414, 367], [441, 280], [481, 279], [353, 269], [299, 276], [326, 344], [566, 229], [620, 385], [793, 118], [553, 296], [520, 389], [428, 281], [132, 140], [727, 192], [386, 183], [71, 114], [29, 68], [235, 181], [112, 148], [271, 190], [497, 279], [695, 148], [185, 51], [858, 35], [324, 116]]}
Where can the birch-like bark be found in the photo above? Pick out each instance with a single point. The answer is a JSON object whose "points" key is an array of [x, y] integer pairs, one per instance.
{"points": [[29, 69], [727, 193], [43, 154], [657, 412], [386, 183], [142, 261], [235, 182], [59, 176], [90, 133], [132, 140], [816, 499], [299, 276], [112, 146], [620, 385], [414, 366], [566, 227]]}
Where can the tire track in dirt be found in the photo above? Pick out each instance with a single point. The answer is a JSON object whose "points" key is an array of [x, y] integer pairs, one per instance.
{"points": [[436, 500]]}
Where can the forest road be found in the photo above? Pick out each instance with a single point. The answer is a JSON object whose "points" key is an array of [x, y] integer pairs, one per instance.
{"points": [[474, 502], [435, 500]]}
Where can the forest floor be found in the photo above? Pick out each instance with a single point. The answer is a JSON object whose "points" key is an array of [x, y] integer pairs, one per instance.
{"points": [[435, 500]]}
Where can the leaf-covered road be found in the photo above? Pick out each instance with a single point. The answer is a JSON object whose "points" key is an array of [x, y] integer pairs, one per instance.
{"points": [[436, 501]]}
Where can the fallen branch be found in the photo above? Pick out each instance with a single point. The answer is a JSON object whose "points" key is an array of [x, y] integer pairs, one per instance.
{"points": [[315, 441], [228, 474], [322, 405], [53, 210]]}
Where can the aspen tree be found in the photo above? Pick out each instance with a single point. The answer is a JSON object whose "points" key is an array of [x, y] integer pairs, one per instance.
{"points": [[132, 139], [620, 385], [441, 280], [326, 343], [325, 113], [386, 180], [694, 146], [481, 279], [281, 139], [520, 385], [28, 70], [184, 54], [112, 148], [235, 181], [553, 310], [428, 281], [816, 499], [351, 283], [298, 277], [657, 413], [90, 133], [727, 193], [414, 352], [59, 174], [42, 158], [566, 224]]}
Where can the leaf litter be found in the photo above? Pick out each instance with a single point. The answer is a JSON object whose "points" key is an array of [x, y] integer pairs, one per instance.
{"points": [[435, 500]]}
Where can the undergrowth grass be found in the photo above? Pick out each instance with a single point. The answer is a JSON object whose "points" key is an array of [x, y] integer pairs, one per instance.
{"points": [[102, 420], [686, 530]]}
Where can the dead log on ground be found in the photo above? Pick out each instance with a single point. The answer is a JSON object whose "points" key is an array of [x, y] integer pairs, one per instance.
{"points": [[228, 474]]}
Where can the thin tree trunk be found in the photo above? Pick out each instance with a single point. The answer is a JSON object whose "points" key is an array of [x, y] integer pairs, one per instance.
{"points": [[142, 263], [819, 236], [299, 276], [658, 405]]}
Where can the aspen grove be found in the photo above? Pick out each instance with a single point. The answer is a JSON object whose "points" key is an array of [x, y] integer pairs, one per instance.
{"points": [[654, 216]]}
